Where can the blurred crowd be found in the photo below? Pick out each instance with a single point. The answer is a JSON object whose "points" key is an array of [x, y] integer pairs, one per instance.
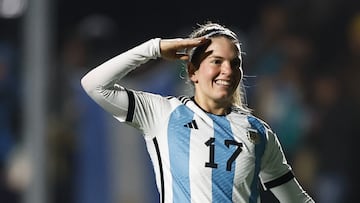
{"points": [[302, 74]]}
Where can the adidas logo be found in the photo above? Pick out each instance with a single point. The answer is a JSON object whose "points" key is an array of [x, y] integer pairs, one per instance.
{"points": [[191, 124]]}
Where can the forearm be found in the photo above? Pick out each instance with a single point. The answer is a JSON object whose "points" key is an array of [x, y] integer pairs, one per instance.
{"points": [[99, 83], [291, 191], [117, 67]]}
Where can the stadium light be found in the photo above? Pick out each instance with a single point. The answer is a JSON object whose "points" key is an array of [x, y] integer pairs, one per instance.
{"points": [[12, 8]]}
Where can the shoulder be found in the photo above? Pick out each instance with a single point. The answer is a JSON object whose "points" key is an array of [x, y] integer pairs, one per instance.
{"points": [[150, 99], [261, 127], [257, 122], [181, 99], [254, 121]]}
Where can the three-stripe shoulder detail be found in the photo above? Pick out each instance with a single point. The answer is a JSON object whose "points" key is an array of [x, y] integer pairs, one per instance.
{"points": [[184, 99]]}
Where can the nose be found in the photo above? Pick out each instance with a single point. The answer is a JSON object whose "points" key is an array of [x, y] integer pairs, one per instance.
{"points": [[226, 68]]}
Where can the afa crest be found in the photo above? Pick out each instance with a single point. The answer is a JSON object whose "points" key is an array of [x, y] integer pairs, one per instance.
{"points": [[253, 136]]}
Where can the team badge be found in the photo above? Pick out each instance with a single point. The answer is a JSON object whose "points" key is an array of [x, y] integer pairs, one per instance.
{"points": [[253, 136]]}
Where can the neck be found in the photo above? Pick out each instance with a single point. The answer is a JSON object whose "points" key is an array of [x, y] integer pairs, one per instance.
{"points": [[212, 107]]}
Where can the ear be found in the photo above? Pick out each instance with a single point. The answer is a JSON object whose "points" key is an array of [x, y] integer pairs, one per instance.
{"points": [[192, 72]]}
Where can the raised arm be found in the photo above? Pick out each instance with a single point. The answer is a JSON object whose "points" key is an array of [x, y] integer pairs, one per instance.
{"points": [[100, 83], [117, 67]]}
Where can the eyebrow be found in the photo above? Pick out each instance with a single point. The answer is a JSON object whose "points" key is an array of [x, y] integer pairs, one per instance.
{"points": [[218, 57], [206, 54]]}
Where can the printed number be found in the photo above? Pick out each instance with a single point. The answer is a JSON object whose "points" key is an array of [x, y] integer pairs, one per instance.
{"points": [[211, 163], [211, 143]]}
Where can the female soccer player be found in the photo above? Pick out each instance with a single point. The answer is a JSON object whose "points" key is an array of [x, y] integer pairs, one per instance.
{"points": [[207, 147]]}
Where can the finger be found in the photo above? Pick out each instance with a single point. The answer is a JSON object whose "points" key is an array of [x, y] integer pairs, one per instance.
{"points": [[190, 43], [187, 44], [183, 57]]}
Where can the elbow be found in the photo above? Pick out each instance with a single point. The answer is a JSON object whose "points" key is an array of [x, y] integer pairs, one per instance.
{"points": [[85, 84], [92, 89]]}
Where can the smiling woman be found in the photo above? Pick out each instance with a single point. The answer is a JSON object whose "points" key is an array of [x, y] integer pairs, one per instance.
{"points": [[216, 74], [217, 77], [207, 147]]}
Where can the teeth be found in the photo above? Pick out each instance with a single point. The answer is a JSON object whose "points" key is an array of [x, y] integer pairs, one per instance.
{"points": [[222, 82]]}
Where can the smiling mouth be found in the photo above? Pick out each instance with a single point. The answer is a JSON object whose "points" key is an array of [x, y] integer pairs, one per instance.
{"points": [[223, 82]]}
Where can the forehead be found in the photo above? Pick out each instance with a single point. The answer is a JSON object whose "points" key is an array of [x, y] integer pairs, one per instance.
{"points": [[222, 46]]}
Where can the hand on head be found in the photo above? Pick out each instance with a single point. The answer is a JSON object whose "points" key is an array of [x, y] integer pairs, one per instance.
{"points": [[172, 49]]}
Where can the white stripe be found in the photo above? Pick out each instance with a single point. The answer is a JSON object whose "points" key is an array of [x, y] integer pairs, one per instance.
{"points": [[201, 190], [168, 181], [152, 152], [199, 112], [162, 140], [244, 167]]}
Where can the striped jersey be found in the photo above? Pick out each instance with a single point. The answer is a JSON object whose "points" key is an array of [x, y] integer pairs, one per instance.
{"points": [[201, 157], [197, 157]]}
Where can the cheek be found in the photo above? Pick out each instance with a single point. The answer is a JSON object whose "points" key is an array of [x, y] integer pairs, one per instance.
{"points": [[207, 76], [208, 72]]}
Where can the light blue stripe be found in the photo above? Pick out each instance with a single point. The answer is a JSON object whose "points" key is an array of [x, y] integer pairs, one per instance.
{"points": [[179, 143], [222, 180], [259, 151]]}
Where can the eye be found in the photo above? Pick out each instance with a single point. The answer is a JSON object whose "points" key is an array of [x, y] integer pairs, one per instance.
{"points": [[217, 61]]}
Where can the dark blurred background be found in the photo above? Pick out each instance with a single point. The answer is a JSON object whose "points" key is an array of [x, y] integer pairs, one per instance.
{"points": [[302, 67]]}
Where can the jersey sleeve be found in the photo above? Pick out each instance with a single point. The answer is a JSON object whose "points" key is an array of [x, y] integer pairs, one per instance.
{"points": [[291, 191], [274, 170], [277, 175], [102, 84]]}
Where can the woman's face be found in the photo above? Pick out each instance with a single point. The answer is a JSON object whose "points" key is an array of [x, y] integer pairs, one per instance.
{"points": [[219, 73]]}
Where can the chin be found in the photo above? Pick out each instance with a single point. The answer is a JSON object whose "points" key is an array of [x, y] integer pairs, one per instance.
{"points": [[223, 98]]}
